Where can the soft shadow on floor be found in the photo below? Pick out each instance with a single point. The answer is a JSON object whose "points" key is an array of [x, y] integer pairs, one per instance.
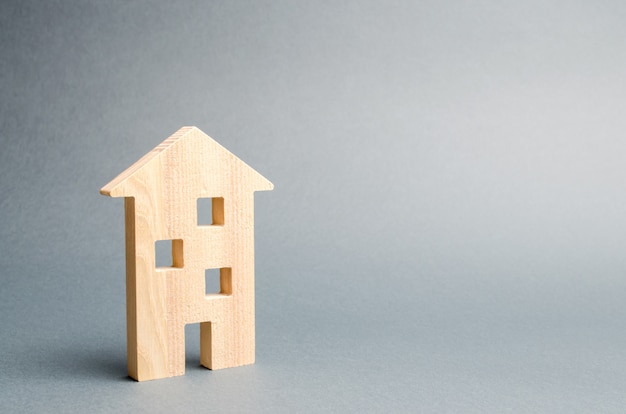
{"points": [[192, 363], [82, 363], [110, 367], [79, 363]]}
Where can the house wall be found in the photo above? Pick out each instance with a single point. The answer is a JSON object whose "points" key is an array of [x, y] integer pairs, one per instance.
{"points": [[162, 300]]}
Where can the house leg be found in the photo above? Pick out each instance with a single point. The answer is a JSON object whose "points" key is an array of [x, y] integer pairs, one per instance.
{"points": [[176, 351], [213, 346]]}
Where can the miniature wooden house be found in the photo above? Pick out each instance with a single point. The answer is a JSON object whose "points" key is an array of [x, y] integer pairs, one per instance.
{"points": [[161, 193]]}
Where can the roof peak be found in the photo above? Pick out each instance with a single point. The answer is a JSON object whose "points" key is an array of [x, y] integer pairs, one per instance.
{"points": [[114, 187]]}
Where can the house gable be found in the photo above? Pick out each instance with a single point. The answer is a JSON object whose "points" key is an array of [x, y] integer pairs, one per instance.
{"points": [[188, 151]]}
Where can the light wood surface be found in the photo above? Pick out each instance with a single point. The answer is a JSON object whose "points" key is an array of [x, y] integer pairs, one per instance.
{"points": [[161, 192]]}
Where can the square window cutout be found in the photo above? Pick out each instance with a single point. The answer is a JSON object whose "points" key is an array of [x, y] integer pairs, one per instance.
{"points": [[218, 281], [211, 211], [168, 253]]}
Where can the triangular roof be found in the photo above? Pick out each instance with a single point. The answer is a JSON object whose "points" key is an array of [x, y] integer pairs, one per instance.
{"points": [[115, 187]]}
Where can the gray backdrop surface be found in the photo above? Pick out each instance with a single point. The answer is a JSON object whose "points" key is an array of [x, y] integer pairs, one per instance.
{"points": [[447, 232]]}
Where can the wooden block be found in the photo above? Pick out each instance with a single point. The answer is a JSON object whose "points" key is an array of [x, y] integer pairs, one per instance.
{"points": [[161, 192]]}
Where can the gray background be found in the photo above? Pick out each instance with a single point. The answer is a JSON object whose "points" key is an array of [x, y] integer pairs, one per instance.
{"points": [[447, 231]]}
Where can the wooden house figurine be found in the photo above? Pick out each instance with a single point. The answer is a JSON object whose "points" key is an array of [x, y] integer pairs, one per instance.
{"points": [[161, 193]]}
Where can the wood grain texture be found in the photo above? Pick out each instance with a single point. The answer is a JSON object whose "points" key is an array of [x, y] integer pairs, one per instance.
{"points": [[161, 192]]}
